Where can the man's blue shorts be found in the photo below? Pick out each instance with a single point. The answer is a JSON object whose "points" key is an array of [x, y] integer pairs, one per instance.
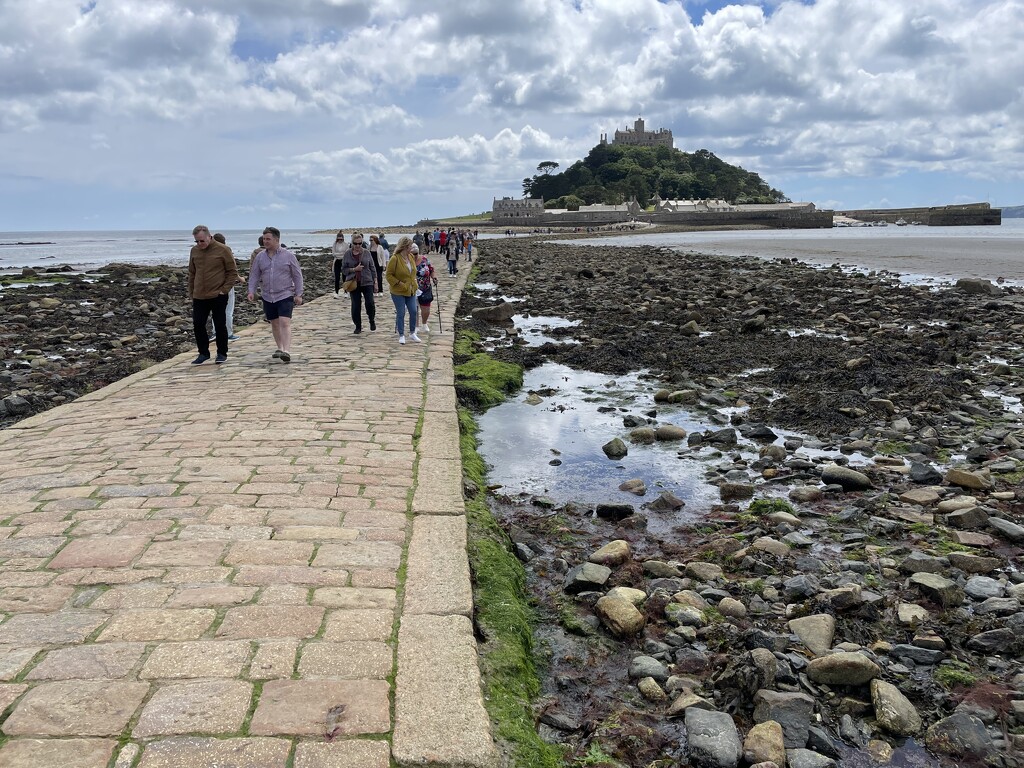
{"points": [[276, 309]]}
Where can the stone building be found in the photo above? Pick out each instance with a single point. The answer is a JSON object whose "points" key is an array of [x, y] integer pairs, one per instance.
{"points": [[638, 136], [509, 210]]}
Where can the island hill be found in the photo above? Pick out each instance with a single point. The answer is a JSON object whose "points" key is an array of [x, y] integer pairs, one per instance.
{"points": [[641, 178]]}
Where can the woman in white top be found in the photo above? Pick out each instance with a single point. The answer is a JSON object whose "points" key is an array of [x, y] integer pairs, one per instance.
{"points": [[380, 257], [338, 249]]}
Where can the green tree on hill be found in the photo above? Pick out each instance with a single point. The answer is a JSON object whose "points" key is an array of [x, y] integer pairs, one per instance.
{"points": [[612, 173]]}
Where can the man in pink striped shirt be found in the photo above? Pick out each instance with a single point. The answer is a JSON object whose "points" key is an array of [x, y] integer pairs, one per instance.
{"points": [[277, 272]]}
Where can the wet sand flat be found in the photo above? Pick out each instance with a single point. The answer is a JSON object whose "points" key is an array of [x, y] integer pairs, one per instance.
{"points": [[938, 257]]}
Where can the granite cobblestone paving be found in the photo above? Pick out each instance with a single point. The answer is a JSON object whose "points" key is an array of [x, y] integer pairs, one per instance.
{"points": [[251, 564]]}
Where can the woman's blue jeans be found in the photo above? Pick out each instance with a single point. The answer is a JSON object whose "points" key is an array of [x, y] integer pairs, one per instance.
{"points": [[404, 304]]}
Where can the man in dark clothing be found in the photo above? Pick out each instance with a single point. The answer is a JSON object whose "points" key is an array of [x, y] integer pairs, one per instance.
{"points": [[211, 276]]}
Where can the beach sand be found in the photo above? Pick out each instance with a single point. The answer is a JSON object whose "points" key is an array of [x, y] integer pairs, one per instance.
{"points": [[946, 259]]}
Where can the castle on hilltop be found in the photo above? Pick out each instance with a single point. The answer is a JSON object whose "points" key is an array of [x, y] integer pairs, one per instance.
{"points": [[637, 136]]}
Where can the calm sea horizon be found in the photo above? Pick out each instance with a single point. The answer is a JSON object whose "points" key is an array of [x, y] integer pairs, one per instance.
{"points": [[932, 249]]}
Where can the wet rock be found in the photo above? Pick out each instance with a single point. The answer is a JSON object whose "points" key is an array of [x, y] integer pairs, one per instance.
{"points": [[619, 616], [636, 486], [978, 286], [969, 518], [688, 699], [704, 571], [614, 512], [790, 710], [998, 606], [959, 735], [815, 632], [924, 474], [764, 743], [669, 432], [612, 554], [993, 641], [917, 655], [849, 479], [648, 666], [639, 436], [800, 587], [974, 481], [819, 741], [636, 596], [615, 448], [499, 313], [983, 587], [771, 546], [685, 615], [806, 758], [938, 588], [586, 577], [733, 609], [805, 494], [843, 669], [666, 502], [651, 691], [919, 562], [893, 711], [1006, 529], [661, 569], [729, 491], [712, 740]]}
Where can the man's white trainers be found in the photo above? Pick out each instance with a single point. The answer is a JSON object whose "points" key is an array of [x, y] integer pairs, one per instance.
{"points": [[337, 294], [415, 337], [401, 339]]}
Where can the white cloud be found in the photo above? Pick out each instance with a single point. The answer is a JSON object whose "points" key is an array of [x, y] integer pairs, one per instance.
{"points": [[400, 94]]}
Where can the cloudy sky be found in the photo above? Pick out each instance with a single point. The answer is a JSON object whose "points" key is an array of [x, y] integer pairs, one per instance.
{"points": [[153, 114]]}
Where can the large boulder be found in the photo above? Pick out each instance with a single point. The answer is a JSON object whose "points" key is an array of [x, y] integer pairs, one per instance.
{"points": [[711, 738], [790, 710], [499, 313], [893, 710], [959, 735], [619, 616], [849, 479], [843, 669], [977, 286]]}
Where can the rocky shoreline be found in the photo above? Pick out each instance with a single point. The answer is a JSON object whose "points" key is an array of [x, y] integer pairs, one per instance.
{"points": [[819, 614], [66, 333]]}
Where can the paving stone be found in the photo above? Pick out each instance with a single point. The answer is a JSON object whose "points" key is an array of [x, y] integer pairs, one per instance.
{"points": [[13, 659], [98, 661], [438, 570], [344, 754], [284, 594], [34, 599], [159, 624], [65, 753], [355, 597], [182, 752], [262, 621], [359, 554], [202, 658], [9, 693], [325, 708], [346, 660], [270, 552], [201, 597], [274, 659], [64, 628], [195, 707], [76, 708], [126, 597], [138, 491], [183, 553], [361, 624], [99, 552], [315, 533], [439, 712], [261, 575], [40, 547]]}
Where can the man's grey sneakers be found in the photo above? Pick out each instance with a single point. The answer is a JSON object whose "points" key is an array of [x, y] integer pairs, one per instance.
{"points": [[221, 359], [200, 359]]}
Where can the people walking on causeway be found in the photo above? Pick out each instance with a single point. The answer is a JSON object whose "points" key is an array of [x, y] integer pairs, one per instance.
{"points": [[338, 249], [425, 280], [401, 277], [276, 271], [358, 265], [379, 254], [211, 276], [229, 312]]}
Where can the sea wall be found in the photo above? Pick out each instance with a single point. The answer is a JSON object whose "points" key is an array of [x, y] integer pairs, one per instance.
{"points": [[971, 214], [775, 219]]}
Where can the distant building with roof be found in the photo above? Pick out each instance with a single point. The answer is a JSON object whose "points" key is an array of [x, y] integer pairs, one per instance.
{"points": [[509, 210], [638, 136]]}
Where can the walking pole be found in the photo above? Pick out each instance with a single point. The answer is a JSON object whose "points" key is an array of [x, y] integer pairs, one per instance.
{"points": [[438, 298]]}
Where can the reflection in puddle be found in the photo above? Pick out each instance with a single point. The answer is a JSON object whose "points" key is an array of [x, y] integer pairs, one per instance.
{"points": [[531, 329], [1010, 404], [547, 441]]}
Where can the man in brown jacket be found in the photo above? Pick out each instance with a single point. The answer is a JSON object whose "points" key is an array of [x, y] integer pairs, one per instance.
{"points": [[211, 276]]}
